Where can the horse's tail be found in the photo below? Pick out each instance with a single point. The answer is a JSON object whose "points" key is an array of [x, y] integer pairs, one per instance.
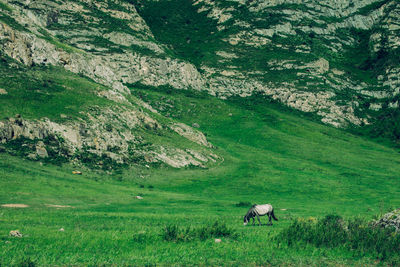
{"points": [[273, 215]]}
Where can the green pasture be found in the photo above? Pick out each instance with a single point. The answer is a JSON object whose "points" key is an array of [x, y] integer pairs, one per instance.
{"points": [[270, 155]]}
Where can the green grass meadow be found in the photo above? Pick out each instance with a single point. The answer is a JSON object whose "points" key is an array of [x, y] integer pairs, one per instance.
{"points": [[270, 155]]}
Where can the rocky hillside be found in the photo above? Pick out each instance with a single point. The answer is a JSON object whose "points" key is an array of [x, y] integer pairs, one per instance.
{"points": [[339, 60], [69, 69]]}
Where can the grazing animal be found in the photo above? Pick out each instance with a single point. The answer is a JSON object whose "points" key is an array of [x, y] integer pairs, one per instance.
{"points": [[259, 210]]}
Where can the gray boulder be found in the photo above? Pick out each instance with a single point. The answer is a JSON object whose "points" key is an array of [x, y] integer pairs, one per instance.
{"points": [[391, 219], [41, 150]]}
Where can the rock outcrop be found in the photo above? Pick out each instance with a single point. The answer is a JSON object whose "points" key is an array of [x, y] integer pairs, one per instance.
{"points": [[389, 220], [105, 134]]}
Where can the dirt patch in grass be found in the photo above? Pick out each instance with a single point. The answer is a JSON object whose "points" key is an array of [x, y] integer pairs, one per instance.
{"points": [[58, 206], [15, 206]]}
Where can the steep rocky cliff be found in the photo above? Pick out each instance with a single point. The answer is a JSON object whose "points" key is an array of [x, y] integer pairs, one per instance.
{"points": [[339, 60]]}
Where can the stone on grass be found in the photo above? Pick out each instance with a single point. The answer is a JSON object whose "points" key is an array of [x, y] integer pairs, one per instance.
{"points": [[15, 233], [218, 240], [138, 197]]}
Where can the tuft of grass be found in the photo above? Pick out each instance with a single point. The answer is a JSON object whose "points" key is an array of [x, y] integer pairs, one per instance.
{"points": [[243, 204], [142, 238], [27, 263], [217, 229], [175, 233]]}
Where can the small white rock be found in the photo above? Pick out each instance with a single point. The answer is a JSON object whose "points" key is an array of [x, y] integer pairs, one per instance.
{"points": [[217, 240], [139, 197], [61, 230], [15, 233]]}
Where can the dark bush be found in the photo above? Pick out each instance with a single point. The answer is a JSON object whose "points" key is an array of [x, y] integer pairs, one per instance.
{"points": [[141, 237], [175, 233], [215, 230], [243, 204], [27, 263], [356, 235]]}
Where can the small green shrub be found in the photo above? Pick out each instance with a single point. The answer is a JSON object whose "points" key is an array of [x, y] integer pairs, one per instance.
{"points": [[141, 237], [20, 147], [215, 230], [243, 204], [176, 234], [27, 263]]}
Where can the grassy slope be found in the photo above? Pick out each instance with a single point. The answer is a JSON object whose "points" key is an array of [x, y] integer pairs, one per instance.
{"points": [[46, 92], [62, 96], [271, 155]]}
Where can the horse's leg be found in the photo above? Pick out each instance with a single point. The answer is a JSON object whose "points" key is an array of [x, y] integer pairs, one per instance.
{"points": [[258, 218], [269, 216], [253, 220]]}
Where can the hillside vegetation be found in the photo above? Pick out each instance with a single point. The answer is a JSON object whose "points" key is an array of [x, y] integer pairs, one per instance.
{"points": [[140, 132], [304, 169], [338, 60]]}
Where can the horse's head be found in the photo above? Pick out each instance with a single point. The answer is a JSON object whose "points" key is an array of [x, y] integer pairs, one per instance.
{"points": [[245, 220]]}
